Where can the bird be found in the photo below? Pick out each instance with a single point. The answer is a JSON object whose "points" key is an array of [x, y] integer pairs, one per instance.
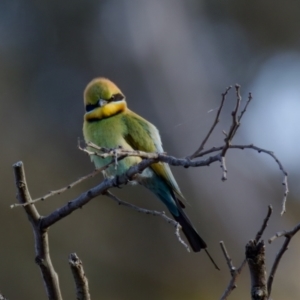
{"points": [[109, 123]]}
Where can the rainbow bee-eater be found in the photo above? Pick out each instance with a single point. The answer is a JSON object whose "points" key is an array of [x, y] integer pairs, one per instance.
{"points": [[109, 123]]}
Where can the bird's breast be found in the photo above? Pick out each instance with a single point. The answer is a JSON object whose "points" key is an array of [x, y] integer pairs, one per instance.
{"points": [[109, 133]]}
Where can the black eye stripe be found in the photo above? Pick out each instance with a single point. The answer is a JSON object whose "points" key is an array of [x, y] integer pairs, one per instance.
{"points": [[90, 107], [114, 98], [117, 97]]}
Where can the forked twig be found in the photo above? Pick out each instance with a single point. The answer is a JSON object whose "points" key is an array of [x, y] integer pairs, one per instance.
{"points": [[232, 283], [216, 121], [236, 272], [232, 131]]}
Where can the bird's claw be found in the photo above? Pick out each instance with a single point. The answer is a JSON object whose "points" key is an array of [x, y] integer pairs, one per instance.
{"points": [[117, 182]]}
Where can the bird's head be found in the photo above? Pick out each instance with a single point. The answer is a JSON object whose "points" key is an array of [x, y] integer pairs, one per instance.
{"points": [[102, 99]]}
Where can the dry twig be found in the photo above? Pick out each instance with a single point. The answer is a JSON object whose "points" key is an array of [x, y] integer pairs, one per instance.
{"points": [[81, 281], [236, 272], [40, 236], [216, 121], [288, 237], [61, 190]]}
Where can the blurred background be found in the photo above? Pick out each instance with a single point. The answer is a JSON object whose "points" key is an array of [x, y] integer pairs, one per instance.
{"points": [[172, 59]]}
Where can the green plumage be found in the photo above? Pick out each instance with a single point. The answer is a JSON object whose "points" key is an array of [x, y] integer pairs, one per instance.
{"points": [[109, 123]]}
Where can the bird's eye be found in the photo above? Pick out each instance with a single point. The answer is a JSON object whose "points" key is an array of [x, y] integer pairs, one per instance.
{"points": [[116, 97], [90, 107]]}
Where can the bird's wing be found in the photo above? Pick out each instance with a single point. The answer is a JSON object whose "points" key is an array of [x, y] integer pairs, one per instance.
{"points": [[142, 135]]}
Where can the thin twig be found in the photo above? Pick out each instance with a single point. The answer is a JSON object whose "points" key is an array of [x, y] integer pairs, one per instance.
{"points": [[61, 190], [288, 237], [233, 271], [264, 225], [227, 258], [286, 191], [120, 153], [81, 281], [246, 106], [153, 213], [224, 168], [40, 236], [216, 121], [234, 125]]}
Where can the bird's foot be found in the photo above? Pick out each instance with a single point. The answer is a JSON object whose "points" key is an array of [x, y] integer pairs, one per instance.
{"points": [[117, 182]]}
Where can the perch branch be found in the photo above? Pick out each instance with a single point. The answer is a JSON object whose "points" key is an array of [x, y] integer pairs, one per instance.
{"points": [[85, 197]]}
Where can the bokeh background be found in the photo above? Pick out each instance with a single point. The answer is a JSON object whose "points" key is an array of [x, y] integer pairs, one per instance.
{"points": [[172, 59]]}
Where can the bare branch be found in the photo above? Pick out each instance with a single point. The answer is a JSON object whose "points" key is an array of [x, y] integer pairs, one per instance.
{"points": [[40, 236], [217, 120], [155, 157], [288, 237], [81, 281], [85, 197]]}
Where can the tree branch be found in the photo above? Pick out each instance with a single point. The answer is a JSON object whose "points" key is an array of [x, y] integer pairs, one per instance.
{"points": [[40, 236]]}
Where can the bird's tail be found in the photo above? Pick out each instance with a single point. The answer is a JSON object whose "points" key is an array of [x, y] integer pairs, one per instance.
{"points": [[189, 231]]}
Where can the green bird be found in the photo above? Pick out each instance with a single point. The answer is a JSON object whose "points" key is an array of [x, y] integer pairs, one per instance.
{"points": [[109, 123]]}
